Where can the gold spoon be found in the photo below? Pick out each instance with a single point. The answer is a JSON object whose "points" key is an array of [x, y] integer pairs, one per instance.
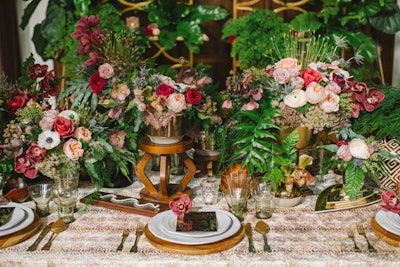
{"points": [[263, 228], [57, 227]]}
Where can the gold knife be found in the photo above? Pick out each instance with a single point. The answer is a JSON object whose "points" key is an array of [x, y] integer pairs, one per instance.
{"points": [[42, 234], [249, 234]]}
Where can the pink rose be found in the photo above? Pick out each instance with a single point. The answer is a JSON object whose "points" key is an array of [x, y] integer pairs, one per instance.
{"points": [[281, 76], [227, 104], [106, 71], [82, 133], [73, 149], [164, 90], [250, 106], [287, 63], [26, 166], [46, 123], [180, 205], [297, 98], [120, 92], [176, 102], [315, 93], [117, 138], [331, 103], [344, 153], [64, 127], [359, 149], [391, 202]]}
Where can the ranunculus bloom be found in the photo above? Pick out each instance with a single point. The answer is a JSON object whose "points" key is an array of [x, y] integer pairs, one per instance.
{"points": [[250, 106], [310, 75], [180, 205], [391, 202], [120, 92], [164, 90], [73, 149], [35, 152], [64, 127], [176, 102], [48, 139], [227, 104], [315, 93], [331, 103], [71, 115], [82, 133], [97, 83], [117, 138], [106, 71], [344, 153], [297, 98], [192, 96], [26, 166], [373, 99], [359, 149]]}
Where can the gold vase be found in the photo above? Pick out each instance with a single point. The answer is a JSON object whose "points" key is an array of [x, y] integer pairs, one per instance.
{"points": [[170, 134]]}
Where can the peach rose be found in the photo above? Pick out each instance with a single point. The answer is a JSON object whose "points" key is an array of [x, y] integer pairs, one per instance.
{"points": [[315, 93], [287, 63], [331, 103], [82, 133], [176, 102], [297, 98], [73, 149], [106, 71], [359, 149]]}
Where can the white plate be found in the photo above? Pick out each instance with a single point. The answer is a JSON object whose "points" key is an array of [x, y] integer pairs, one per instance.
{"points": [[17, 216], [223, 224], [158, 227], [389, 221], [28, 219]]}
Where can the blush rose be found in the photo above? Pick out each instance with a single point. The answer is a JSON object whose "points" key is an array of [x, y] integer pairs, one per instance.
{"points": [[73, 149]]}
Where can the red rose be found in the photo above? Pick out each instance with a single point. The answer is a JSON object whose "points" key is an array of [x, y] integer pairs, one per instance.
{"points": [[15, 103], [26, 166], [342, 142], [97, 83], [310, 75], [373, 99], [64, 127], [35, 152], [193, 97], [148, 31], [164, 89], [232, 38]]}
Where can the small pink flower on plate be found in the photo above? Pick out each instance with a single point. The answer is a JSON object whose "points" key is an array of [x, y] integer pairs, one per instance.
{"points": [[180, 205], [392, 202]]}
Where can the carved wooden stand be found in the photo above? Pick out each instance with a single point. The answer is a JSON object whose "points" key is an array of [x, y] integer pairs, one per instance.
{"points": [[164, 191]]}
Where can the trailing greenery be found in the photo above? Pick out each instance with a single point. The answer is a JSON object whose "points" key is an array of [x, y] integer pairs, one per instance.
{"points": [[254, 36], [384, 121]]}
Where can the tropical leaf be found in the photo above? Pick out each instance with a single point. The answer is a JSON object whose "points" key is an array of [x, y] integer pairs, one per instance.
{"points": [[354, 180]]}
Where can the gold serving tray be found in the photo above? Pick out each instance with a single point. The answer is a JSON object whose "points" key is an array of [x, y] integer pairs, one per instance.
{"points": [[329, 199], [194, 249]]}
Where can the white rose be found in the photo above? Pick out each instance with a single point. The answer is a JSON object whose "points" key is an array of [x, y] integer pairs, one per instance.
{"points": [[315, 93], [331, 103], [359, 149], [176, 102], [297, 98]]}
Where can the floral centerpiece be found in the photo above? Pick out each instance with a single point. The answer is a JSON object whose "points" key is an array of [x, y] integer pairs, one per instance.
{"points": [[356, 157]]}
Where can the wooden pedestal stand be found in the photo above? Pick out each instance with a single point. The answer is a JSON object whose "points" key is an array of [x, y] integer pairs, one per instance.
{"points": [[164, 191], [206, 164]]}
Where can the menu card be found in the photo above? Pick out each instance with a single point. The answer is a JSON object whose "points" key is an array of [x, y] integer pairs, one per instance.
{"points": [[198, 221]]}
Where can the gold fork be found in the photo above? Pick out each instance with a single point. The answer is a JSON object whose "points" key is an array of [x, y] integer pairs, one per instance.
{"points": [[125, 235], [350, 234], [361, 231], [138, 232]]}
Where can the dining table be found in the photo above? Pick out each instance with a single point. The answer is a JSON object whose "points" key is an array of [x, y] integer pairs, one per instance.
{"points": [[298, 236]]}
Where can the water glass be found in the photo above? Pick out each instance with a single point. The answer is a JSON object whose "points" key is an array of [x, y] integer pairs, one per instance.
{"points": [[41, 195], [66, 193], [263, 206], [209, 190], [237, 201]]}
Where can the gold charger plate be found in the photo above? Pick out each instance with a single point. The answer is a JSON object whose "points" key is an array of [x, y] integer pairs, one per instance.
{"points": [[386, 236], [21, 235], [203, 249]]}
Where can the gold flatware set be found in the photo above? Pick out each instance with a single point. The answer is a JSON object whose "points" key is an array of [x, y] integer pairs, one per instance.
{"points": [[55, 227], [361, 231], [261, 228], [138, 233]]}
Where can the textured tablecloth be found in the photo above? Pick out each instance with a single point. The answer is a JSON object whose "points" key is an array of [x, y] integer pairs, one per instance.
{"points": [[298, 237]]}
